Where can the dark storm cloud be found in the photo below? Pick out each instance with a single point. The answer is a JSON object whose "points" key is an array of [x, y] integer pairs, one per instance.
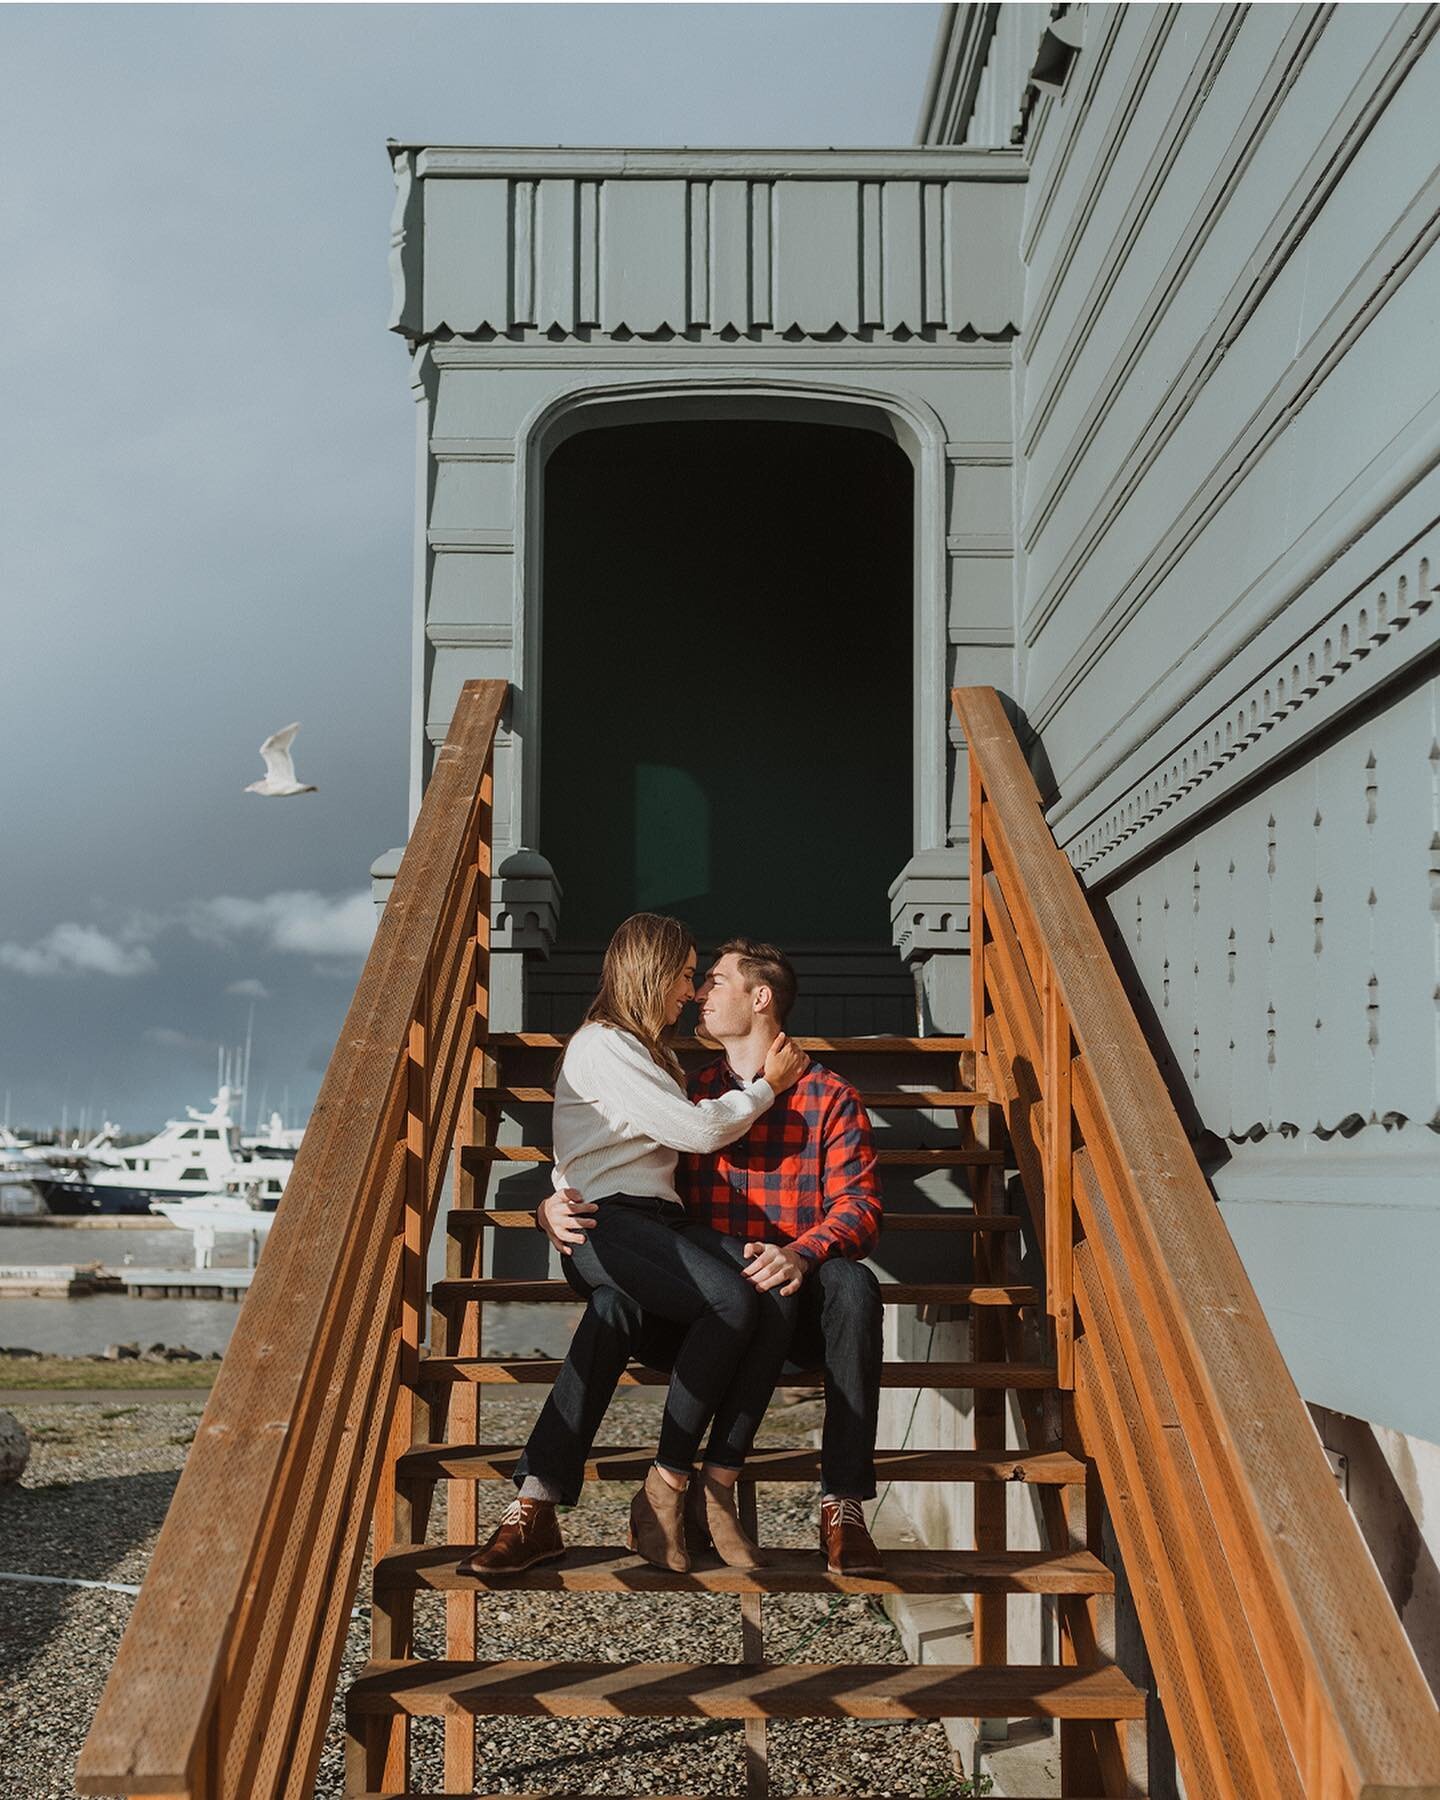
{"points": [[206, 449]]}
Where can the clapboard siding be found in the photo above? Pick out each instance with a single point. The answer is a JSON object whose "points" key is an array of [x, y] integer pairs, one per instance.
{"points": [[1126, 101], [1227, 449], [1225, 350], [1215, 375], [997, 99], [1183, 114]]}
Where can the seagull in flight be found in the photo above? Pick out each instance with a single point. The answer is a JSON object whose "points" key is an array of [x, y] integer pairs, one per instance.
{"points": [[280, 780]]}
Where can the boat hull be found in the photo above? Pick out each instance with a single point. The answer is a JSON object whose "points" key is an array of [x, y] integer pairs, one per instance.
{"points": [[86, 1199]]}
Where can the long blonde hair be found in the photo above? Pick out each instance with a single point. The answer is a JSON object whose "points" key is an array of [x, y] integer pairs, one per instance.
{"points": [[642, 960]]}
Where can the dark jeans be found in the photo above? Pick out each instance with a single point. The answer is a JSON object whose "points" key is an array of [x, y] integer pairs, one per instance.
{"points": [[835, 1320], [644, 1261]]}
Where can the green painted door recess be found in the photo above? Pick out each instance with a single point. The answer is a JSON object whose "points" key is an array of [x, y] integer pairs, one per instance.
{"points": [[727, 686]]}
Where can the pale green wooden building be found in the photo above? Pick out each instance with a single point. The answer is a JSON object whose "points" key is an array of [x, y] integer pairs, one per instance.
{"points": [[1118, 390]]}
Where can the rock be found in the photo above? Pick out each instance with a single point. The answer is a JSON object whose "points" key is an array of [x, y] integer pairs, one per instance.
{"points": [[156, 1350], [180, 1354], [214, 1356], [122, 1352], [14, 1449]]}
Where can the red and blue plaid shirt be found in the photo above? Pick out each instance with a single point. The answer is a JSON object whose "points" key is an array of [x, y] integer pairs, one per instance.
{"points": [[803, 1175]]}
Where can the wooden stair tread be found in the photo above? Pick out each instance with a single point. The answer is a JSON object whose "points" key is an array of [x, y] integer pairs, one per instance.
{"points": [[887, 1100], [604, 1569], [496, 1462], [469, 1218], [593, 1690], [474, 1156], [939, 1099], [841, 1046], [893, 1293], [544, 1369]]}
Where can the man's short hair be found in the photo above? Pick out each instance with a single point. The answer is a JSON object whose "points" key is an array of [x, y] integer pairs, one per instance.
{"points": [[764, 965]]}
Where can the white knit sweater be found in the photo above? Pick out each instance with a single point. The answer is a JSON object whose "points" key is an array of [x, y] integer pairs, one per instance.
{"points": [[620, 1118]]}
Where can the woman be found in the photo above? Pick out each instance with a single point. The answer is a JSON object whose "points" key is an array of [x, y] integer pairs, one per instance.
{"points": [[621, 1115]]}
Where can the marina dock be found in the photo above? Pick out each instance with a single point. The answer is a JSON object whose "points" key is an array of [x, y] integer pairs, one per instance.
{"points": [[183, 1284], [64, 1281], [55, 1281]]}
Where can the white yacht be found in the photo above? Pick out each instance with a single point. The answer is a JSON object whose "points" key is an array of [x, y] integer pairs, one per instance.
{"points": [[198, 1157], [25, 1165]]}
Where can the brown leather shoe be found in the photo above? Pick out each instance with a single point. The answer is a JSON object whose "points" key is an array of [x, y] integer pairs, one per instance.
{"points": [[528, 1534], [697, 1526], [657, 1524], [848, 1546], [712, 1523]]}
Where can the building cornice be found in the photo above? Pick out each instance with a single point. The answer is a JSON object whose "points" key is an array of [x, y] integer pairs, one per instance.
{"points": [[918, 162]]}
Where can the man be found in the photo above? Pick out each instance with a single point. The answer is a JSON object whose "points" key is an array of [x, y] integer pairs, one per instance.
{"points": [[798, 1200]]}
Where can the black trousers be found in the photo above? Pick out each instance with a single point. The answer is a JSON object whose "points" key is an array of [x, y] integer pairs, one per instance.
{"points": [[835, 1320], [643, 1260]]}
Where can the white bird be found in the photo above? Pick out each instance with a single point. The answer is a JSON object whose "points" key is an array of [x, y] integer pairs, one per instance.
{"points": [[280, 779]]}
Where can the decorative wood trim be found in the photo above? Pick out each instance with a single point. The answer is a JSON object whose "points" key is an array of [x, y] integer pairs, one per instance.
{"points": [[1388, 510], [998, 454], [999, 636], [980, 543], [489, 450], [507, 252], [1336, 663], [482, 542], [697, 200], [406, 245], [913, 163], [714, 352], [443, 633]]}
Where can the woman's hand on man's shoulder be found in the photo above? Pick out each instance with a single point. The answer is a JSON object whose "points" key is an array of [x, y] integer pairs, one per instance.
{"points": [[785, 1063]]}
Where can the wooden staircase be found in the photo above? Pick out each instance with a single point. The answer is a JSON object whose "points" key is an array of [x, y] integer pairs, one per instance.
{"points": [[446, 1405], [1152, 1400]]}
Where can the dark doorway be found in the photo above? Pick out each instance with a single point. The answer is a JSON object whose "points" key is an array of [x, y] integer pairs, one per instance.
{"points": [[728, 690]]}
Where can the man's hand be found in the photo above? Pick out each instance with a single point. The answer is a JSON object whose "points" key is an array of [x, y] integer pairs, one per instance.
{"points": [[565, 1217], [774, 1265]]}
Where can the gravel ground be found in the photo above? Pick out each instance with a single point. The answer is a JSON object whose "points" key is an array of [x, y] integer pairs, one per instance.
{"points": [[91, 1506]]}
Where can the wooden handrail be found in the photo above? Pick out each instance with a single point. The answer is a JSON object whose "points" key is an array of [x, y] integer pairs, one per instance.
{"points": [[224, 1678], [1281, 1661]]}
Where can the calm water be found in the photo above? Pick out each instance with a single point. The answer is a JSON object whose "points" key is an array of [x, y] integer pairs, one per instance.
{"points": [[84, 1326]]}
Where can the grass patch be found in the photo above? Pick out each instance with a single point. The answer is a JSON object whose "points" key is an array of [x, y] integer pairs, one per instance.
{"points": [[72, 1372]]}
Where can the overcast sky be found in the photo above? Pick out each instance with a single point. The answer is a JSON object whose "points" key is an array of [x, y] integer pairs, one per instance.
{"points": [[206, 444]]}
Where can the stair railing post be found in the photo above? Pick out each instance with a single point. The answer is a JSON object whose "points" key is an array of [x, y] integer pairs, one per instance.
{"points": [[382, 1757], [977, 910], [1059, 1176], [463, 1323], [752, 1651]]}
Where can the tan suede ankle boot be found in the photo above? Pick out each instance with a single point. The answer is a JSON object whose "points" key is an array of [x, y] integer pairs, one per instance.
{"points": [[657, 1524], [733, 1544]]}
